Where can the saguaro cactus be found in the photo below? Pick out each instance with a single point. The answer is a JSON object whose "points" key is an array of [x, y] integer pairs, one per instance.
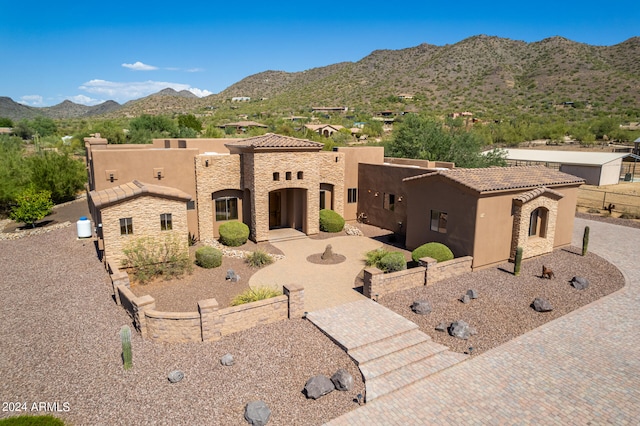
{"points": [[585, 240], [518, 261], [125, 336]]}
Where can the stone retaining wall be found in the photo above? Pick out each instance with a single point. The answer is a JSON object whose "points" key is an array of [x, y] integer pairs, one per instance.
{"points": [[377, 283], [209, 323]]}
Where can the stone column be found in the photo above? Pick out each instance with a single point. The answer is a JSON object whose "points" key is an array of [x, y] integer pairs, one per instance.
{"points": [[295, 294], [372, 287], [429, 273], [210, 322], [140, 305]]}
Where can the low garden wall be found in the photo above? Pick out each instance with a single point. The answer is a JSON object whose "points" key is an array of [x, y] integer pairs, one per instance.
{"points": [[377, 283], [210, 322]]}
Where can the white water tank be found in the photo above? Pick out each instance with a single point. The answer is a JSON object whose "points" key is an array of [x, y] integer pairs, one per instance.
{"points": [[84, 227]]}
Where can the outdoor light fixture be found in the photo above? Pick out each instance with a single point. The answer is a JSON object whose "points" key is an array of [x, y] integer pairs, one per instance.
{"points": [[376, 299], [359, 399], [159, 175], [305, 315], [470, 350], [206, 163]]}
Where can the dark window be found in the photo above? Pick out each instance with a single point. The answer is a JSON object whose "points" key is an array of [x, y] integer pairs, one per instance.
{"points": [[276, 176], [322, 198], [300, 175], [126, 226], [352, 195], [191, 205], [538, 223], [226, 208], [288, 175], [439, 221], [389, 201], [165, 222]]}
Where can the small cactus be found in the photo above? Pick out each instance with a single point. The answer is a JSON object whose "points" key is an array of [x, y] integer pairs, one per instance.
{"points": [[518, 262], [585, 241], [125, 336]]}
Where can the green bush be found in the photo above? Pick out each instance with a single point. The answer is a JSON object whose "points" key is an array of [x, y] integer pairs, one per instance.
{"points": [[151, 257], [373, 257], [208, 257], [233, 233], [32, 421], [392, 262], [438, 251], [330, 221], [31, 206], [259, 258], [253, 295]]}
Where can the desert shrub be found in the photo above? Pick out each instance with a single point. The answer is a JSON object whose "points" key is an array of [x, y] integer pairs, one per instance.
{"points": [[152, 257], [253, 295], [438, 251], [259, 258], [233, 233], [374, 256], [208, 257], [627, 215], [26, 420], [392, 262], [31, 206], [330, 221]]}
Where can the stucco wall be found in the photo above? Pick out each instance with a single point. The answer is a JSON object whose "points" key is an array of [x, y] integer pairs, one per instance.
{"points": [[494, 229], [353, 157], [145, 212]]}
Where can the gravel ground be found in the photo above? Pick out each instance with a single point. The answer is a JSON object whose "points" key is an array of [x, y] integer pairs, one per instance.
{"points": [[502, 310], [60, 342], [608, 219]]}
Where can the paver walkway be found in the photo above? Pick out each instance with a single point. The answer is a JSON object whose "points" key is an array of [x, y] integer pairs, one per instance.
{"points": [[390, 350], [324, 285], [580, 369]]}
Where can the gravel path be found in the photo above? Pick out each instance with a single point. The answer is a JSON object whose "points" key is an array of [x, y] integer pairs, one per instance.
{"points": [[60, 343], [502, 310]]}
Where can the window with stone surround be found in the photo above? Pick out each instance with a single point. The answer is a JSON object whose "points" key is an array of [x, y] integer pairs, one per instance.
{"points": [[300, 175], [226, 208], [538, 222], [288, 175], [439, 221], [166, 222], [276, 176], [126, 226]]}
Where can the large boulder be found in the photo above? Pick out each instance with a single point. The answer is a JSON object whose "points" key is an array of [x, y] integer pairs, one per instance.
{"points": [[465, 299], [318, 386], [175, 376], [342, 380], [461, 330], [541, 305], [579, 283], [473, 294], [227, 360], [257, 413], [421, 307]]}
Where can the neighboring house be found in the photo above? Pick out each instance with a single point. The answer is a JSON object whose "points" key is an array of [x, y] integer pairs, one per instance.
{"points": [[242, 126], [325, 130], [240, 99], [405, 96], [6, 130], [596, 168], [192, 186], [488, 213], [329, 109]]}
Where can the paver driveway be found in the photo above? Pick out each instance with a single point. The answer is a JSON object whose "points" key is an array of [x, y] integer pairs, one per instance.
{"points": [[577, 370]]}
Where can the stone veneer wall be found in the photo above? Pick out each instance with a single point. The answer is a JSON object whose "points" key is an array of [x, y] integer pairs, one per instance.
{"points": [[333, 172], [261, 182], [145, 212], [209, 323], [534, 245], [222, 173], [377, 283]]}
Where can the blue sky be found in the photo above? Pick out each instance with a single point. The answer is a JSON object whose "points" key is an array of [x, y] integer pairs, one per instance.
{"points": [[90, 52]]}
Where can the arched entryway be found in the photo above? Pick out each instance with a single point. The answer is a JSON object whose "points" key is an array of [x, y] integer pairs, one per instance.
{"points": [[288, 209]]}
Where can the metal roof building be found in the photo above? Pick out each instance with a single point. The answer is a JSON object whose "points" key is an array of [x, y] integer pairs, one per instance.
{"points": [[596, 168]]}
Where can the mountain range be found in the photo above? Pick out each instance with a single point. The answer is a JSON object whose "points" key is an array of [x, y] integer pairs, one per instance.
{"points": [[481, 73]]}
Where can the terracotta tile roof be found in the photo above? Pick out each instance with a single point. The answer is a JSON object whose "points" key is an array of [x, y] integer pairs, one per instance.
{"points": [[495, 179], [109, 196], [530, 195], [244, 124], [271, 140]]}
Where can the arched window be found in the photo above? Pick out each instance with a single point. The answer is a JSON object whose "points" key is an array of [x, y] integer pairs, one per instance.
{"points": [[538, 222]]}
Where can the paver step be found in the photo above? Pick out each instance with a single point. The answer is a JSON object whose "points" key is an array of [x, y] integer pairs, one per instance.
{"points": [[397, 379], [388, 345], [400, 359]]}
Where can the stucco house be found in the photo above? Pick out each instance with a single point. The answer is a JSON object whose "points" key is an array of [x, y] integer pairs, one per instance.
{"points": [[183, 187], [488, 213]]}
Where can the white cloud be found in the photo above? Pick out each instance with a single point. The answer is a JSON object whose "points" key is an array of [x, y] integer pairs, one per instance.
{"points": [[84, 100], [31, 100], [125, 91], [195, 70], [139, 66]]}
